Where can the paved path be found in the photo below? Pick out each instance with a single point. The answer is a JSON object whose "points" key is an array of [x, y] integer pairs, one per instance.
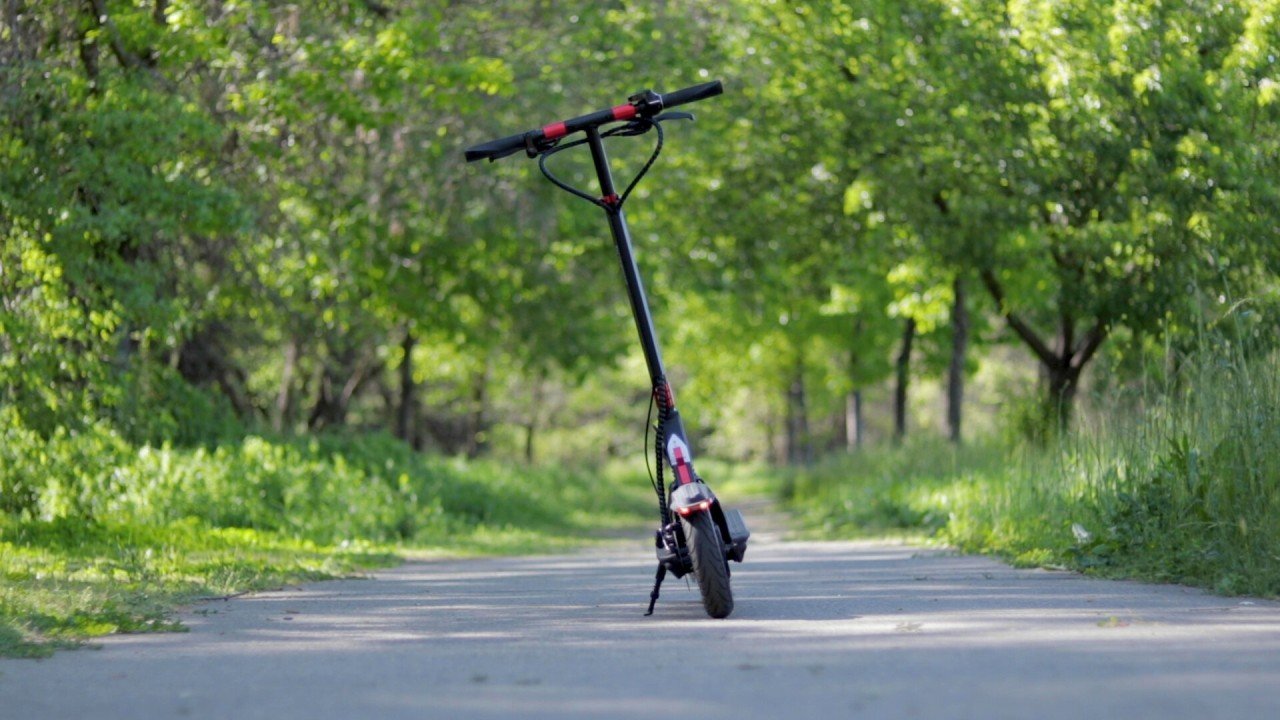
{"points": [[830, 630]]}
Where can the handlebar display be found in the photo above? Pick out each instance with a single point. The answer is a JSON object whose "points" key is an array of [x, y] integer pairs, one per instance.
{"points": [[644, 104]]}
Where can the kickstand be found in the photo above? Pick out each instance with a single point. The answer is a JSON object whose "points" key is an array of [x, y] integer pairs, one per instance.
{"points": [[657, 583]]}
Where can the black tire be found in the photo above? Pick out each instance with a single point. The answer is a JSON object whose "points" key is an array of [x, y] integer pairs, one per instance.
{"points": [[706, 549]]}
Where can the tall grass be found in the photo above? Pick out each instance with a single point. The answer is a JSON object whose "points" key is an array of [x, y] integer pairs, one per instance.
{"points": [[1186, 489], [1191, 492], [99, 535]]}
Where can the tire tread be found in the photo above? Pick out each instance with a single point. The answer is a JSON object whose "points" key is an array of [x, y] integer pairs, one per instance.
{"points": [[706, 549]]}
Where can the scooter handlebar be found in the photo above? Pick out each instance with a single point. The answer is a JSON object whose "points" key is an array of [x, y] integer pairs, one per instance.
{"points": [[495, 149], [643, 104], [692, 94]]}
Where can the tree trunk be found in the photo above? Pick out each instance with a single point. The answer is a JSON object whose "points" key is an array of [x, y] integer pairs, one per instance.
{"points": [[774, 452], [406, 407], [341, 378], [536, 395], [89, 25], [955, 373], [1061, 365], [283, 416], [203, 360], [853, 427], [327, 410], [799, 450], [13, 48], [903, 379], [1064, 380], [530, 428], [477, 442]]}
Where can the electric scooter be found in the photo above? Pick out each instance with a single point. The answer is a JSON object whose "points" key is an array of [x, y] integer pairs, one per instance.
{"points": [[697, 534]]}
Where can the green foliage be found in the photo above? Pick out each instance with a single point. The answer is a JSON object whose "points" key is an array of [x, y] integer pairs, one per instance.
{"points": [[325, 489], [218, 218], [1185, 492], [269, 199]]}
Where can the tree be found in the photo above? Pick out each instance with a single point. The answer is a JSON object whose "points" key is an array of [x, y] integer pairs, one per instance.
{"points": [[1056, 150]]}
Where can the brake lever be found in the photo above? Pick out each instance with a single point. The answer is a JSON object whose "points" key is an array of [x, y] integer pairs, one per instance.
{"points": [[642, 126], [498, 156], [631, 129]]}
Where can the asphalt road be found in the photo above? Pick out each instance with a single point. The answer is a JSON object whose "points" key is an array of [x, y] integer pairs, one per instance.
{"points": [[836, 630]]}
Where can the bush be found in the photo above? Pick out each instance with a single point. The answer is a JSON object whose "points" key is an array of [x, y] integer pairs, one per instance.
{"points": [[327, 489], [71, 473]]}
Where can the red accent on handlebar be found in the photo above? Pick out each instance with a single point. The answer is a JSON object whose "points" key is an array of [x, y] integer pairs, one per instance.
{"points": [[644, 104], [554, 130]]}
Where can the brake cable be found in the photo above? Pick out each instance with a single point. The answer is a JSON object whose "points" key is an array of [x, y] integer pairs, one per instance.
{"points": [[636, 127]]}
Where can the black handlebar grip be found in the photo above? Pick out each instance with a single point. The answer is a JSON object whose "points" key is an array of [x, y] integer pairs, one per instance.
{"points": [[495, 149], [691, 94]]}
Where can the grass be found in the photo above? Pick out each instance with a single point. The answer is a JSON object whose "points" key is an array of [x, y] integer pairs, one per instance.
{"points": [[1191, 493], [908, 492], [101, 535], [119, 538], [1187, 490], [68, 581], [736, 480]]}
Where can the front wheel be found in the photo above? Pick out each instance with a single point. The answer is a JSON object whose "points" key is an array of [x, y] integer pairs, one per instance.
{"points": [[706, 549]]}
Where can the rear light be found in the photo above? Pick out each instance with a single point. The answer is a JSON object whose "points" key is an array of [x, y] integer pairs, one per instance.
{"points": [[691, 509]]}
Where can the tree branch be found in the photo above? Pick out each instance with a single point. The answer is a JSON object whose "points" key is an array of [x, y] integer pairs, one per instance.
{"points": [[89, 54], [378, 9], [1089, 344], [1068, 328], [1019, 327], [940, 202], [123, 56]]}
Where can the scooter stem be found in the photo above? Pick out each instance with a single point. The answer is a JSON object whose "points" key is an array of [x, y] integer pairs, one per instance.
{"points": [[630, 272], [687, 487]]}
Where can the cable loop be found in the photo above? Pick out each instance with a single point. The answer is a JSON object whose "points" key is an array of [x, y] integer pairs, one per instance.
{"points": [[638, 126], [660, 396]]}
